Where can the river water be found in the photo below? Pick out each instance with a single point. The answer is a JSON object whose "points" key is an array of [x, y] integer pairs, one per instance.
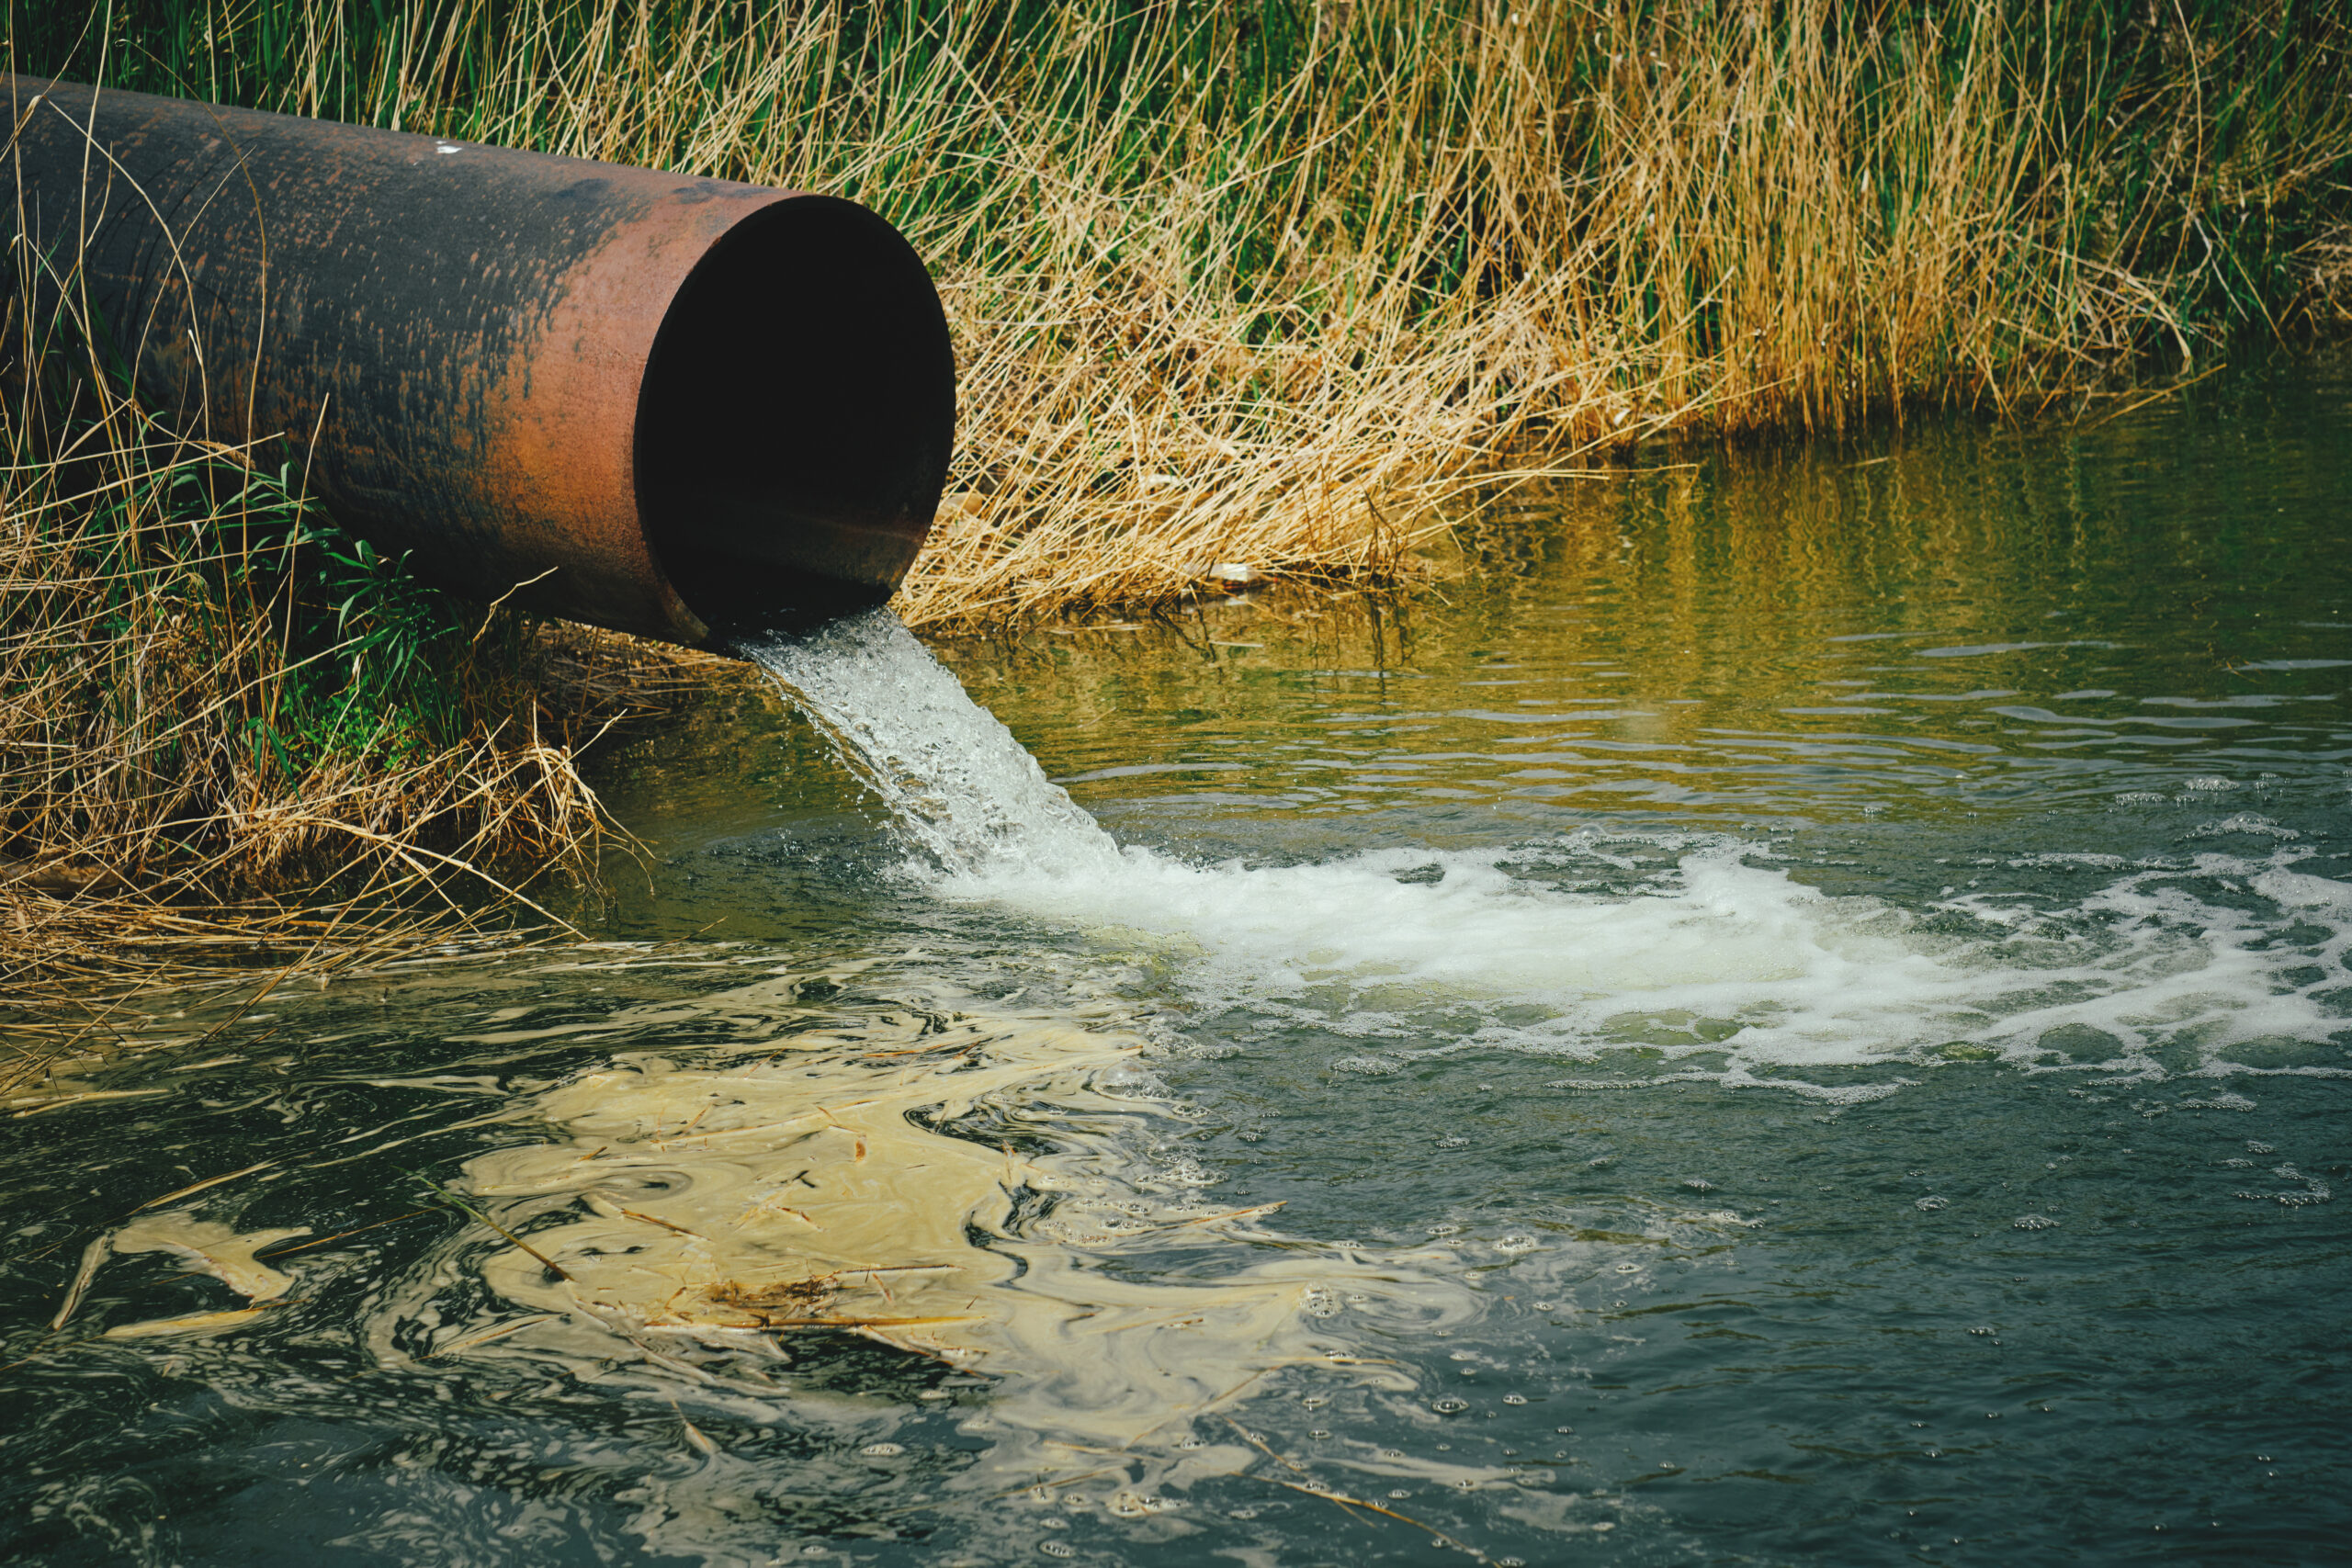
{"points": [[1789, 1005]]}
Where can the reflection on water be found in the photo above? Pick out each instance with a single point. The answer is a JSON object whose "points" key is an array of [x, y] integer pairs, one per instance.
{"points": [[1952, 619], [1796, 1007]]}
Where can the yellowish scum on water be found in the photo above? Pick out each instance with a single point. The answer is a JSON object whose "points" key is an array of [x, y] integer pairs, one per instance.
{"points": [[693, 1217]]}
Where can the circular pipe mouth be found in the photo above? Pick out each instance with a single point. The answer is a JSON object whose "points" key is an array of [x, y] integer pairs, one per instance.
{"points": [[795, 419]]}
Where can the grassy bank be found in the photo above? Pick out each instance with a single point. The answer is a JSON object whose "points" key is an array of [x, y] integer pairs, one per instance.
{"points": [[210, 695], [1268, 281], [236, 742], [1260, 281]]}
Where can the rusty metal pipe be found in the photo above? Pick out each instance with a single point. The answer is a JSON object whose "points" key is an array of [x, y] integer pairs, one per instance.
{"points": [[665, 404]]}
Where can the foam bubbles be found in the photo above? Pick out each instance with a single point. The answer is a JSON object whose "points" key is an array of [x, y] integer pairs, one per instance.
{"points": [[2248, 822], [1706, 952], [1369, 1066]]}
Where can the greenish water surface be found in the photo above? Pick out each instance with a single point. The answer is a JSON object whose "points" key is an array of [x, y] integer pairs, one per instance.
{"points": [[1795, 1003]]}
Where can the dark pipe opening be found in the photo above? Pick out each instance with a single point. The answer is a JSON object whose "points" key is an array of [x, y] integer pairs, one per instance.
{"points": [[795, 419]]}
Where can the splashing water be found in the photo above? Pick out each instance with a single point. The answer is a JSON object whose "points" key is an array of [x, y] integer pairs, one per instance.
{"points": [[1715, 955], [960, 789]]}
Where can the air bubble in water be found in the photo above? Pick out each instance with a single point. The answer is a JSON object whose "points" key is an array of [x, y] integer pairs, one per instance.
{"points": [[1517, 1242], [1542, 1306], [1629, 1268], [882, 1450], [1449, 1406], [1454, 1143], [1931, 1204], [1514, 1399], [1057, 1549], [1445, 1230], [1698, 1184], [2033, 1223]]}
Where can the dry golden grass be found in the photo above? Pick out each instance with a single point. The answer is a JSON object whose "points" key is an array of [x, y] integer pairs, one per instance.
{"points": [[2328, 271], [1276, 284], [184, 734]]}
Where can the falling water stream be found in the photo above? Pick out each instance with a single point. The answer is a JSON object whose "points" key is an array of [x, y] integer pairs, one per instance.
{"points": [[1787, 1007], [1737, 953]]}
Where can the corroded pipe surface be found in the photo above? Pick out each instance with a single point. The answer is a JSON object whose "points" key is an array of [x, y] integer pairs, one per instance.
{"points": [[665, 404]]}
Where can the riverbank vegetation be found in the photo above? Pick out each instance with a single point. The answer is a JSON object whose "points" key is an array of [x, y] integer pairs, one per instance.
{"points": [[213, 696], [1270, 282]]}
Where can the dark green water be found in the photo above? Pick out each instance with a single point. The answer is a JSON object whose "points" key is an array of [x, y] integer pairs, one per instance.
{"points": [[1797, 1006]]}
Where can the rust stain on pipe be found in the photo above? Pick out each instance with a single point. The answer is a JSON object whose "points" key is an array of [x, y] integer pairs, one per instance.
{"points": [[680, 404]]}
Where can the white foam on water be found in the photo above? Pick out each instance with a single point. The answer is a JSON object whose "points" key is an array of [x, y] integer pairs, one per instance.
{"points": [[1715, 956]]}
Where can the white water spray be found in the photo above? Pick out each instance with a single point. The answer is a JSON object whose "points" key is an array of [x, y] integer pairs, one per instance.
{"points": [[959, 787], [1716, 956]]}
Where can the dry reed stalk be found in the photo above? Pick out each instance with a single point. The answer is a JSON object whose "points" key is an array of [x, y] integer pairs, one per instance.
{"points": [[2327, 263]]}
